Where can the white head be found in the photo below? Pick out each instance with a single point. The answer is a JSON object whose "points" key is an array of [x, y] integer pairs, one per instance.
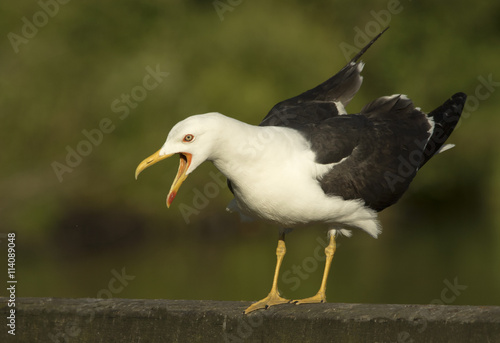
{"points": [[193, 139]]}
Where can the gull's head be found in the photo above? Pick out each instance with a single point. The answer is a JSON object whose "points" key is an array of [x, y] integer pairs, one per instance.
{"points": [[193, 140]]}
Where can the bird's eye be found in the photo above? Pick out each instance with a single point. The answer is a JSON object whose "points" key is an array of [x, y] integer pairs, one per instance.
{"points": [[188, 138]]}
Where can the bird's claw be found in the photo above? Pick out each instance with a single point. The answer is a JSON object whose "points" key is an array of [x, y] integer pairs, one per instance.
{"points": [[316, 299], [271, 300]]}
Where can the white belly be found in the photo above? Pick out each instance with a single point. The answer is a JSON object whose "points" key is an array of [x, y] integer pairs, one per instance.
{"points": [[279, 184]]}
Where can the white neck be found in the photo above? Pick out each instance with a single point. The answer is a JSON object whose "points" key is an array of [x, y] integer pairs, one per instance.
{"points": [[243, 149]]}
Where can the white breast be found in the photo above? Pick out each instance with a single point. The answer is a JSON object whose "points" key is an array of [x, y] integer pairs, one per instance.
{"points": [[275, 178]]}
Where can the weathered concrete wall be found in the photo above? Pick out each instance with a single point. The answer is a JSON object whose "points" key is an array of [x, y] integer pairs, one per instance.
{"points": [[124, 320]]}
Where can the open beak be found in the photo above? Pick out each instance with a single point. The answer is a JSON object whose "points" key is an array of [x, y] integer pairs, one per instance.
{"points": [[184, 163]]}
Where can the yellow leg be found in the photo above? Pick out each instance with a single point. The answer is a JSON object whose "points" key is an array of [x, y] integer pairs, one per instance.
{"points": [[320, 297], [273, 298]]}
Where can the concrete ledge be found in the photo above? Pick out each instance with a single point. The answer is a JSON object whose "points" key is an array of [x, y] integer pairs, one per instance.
{"points": [[126, 320]]}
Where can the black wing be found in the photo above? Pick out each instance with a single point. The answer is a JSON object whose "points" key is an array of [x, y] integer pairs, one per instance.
{"points": [[381, 149], [320, 103], [323, 101]]}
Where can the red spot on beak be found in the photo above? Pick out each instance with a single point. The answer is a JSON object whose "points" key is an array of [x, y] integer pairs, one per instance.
{"points": [[171, 198]]}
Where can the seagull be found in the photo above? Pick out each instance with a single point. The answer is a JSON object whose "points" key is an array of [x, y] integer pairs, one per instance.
{"points": [[310, 162]]}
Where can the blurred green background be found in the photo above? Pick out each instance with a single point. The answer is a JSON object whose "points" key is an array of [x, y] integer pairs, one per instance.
{"points": [[77, 230]]}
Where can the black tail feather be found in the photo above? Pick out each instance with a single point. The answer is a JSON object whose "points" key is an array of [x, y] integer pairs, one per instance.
{"points": [[445, 119]]}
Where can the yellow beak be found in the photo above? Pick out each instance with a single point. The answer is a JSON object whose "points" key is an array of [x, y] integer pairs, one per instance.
{"points": [[184, 163]]}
